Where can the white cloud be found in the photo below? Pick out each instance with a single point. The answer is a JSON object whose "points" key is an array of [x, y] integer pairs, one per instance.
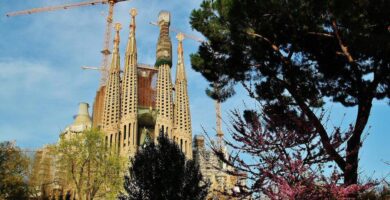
{"points": [[27, 75]]}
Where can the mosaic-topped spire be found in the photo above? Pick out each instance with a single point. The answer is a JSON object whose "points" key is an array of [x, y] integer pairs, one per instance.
{"points": [[164, 101], [164, 45]]}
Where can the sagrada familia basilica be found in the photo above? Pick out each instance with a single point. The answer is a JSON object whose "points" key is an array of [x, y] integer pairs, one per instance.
{"points": [[139, 102], [134, 108]]}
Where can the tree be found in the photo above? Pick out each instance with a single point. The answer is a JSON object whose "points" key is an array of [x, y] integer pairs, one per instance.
{"points": [[13, 169], [91, 167], [161, 172], [283, 166], [294, 56]]}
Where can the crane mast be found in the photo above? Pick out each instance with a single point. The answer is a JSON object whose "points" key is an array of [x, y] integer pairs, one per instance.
{"points": [[107, 44], [219, 118], [219, 124]]}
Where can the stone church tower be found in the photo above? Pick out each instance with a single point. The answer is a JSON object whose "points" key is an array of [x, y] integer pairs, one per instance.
{"points": [[130, 92], [133, 108], [140, 101], [112, 98], [182, 119], [164, 101]]}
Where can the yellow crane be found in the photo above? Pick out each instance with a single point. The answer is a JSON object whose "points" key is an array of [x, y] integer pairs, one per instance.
{"points": [[192, 37], [142, 65], [107, 36]]}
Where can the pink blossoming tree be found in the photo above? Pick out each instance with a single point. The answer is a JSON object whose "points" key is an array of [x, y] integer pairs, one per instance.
{"points": [[281, 163]]}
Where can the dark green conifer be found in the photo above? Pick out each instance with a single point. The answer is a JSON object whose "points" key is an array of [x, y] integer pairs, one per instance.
{"points": [[161, 172]]}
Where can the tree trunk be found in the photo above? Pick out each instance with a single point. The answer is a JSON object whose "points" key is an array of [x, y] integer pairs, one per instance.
{"points": [[352, 160], [88, 182], [354, 144]]}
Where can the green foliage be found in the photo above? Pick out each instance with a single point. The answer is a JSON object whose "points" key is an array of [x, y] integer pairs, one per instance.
{"points": [[293, 56], [163, 61], [13, 169], [303, 33], [91, 167], [161, 172]]}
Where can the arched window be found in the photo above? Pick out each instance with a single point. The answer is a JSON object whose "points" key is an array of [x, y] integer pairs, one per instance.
{"points": [[124, 132], [129, 134], [134, 133], [111, 140], [185, 146], [181, 144], [119, 140]]}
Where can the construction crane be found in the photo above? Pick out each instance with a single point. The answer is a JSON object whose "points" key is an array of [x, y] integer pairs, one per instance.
{"points": [[219, 118], [142, 65], [107, 35], [192, 37]]}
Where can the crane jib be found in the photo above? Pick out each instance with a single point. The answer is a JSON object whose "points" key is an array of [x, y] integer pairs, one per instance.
{"points": [[60, 7]]}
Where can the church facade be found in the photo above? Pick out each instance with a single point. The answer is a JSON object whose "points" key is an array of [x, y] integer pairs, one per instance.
{"points": [[138, 102]]}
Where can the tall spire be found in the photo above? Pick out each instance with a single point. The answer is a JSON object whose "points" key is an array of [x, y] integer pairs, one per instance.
{"points": [[131, 49], [164, 45], [182, 119], [164, 102], [115, 63], [180, 71], [130, 92], [111, 113]]}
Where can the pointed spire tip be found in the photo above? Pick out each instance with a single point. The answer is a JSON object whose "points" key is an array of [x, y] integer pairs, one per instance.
{"points": [[118, 26], [180, 36], [133, 12]]}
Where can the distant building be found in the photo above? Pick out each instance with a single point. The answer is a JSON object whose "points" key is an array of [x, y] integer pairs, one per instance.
{"points": [[82, 121], [136, 106], [222, 184], [44, 180]]}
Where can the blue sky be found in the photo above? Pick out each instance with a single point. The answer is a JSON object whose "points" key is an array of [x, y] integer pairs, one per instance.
{"points": [[42, 83]]}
